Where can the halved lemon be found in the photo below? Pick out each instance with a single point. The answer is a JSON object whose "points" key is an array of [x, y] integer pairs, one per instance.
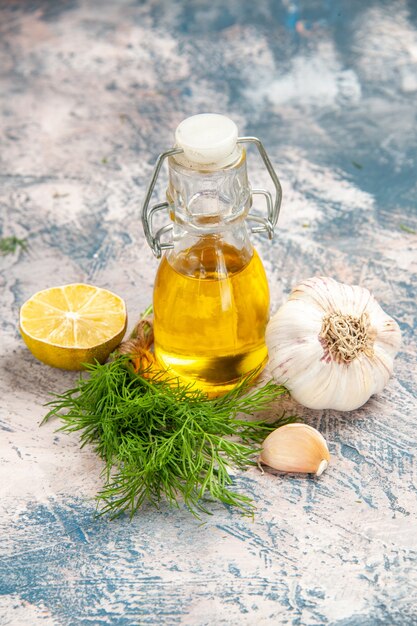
{"points": [[67, 326]]}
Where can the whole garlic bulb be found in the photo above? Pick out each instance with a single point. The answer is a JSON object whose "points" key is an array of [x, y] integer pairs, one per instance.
{"points": [[332, 345]]}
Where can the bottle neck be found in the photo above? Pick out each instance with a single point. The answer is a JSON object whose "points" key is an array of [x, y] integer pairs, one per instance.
{"points": [[208, 210], [208, 201]]}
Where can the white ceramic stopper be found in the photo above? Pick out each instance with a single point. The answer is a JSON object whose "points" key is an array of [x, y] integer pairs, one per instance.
{"points": [[208, 139]]}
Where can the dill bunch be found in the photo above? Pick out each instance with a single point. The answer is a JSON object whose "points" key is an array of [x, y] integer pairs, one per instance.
{"points": [[163, 441]]}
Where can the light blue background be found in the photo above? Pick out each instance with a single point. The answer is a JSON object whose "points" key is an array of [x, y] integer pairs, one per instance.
{"points": [[90, 93]]}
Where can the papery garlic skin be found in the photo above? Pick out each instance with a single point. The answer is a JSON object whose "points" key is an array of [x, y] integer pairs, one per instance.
{"points": [[296, 448], [299, 356]]}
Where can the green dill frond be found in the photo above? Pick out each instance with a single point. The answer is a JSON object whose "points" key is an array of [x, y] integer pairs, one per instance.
{"points": [[9, 245], [161, 441]]}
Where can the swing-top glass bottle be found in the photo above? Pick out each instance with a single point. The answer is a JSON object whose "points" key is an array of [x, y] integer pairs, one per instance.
{"points": [[211, 296]]}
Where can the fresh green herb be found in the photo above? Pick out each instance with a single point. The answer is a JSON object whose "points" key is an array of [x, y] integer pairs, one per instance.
{"points": [[407, 229], [160, 440], [357, 165], [104, 160], [9, 245]]}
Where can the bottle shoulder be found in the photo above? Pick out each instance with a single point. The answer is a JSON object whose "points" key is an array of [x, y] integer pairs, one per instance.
{"points": [[210, 259]]}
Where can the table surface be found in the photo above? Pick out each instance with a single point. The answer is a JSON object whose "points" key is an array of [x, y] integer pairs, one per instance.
{"points": [[91, 92]]}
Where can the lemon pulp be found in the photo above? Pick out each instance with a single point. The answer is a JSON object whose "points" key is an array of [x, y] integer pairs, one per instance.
{"points": [[74, 324]]}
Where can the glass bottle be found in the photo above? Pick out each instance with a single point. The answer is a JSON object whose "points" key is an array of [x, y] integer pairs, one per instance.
{"points": [[211, 296]]}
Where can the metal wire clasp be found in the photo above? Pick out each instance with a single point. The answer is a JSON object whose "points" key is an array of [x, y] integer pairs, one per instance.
{"points": [[265, 224]]}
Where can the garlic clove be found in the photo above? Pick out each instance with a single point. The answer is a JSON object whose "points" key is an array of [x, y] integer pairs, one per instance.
{"points": [[296, 448]]}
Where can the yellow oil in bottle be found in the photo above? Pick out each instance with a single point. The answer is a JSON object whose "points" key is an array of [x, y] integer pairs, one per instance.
{"points": [[211, 306]]}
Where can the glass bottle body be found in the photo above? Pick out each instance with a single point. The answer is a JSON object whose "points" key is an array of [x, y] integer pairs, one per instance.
{"points": [[211, 296]]}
